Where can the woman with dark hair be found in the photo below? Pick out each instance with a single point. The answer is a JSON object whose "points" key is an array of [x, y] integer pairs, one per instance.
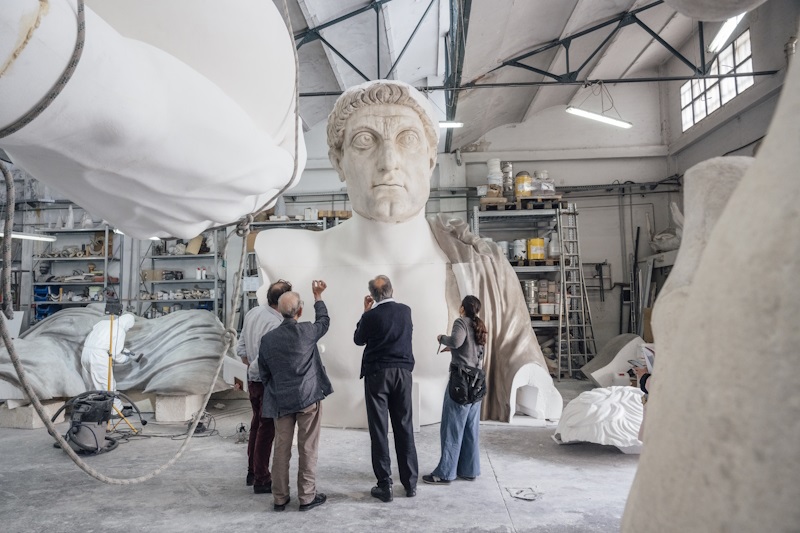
{"points": [[460, 421]]}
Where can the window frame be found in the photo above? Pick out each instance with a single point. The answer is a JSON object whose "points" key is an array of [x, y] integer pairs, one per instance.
{"points": [[702, 90]]}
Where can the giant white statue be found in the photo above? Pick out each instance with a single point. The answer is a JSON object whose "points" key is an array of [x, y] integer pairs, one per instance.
{"points": [[161, 132], [723, 419], [383, 143]]}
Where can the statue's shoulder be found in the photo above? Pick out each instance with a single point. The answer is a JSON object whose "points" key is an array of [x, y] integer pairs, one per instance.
{"points": [[456, 240]]}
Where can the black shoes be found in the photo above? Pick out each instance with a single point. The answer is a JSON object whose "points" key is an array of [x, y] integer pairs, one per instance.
{"points": [[384, 494], [411, 492], [433, 480], [250, 479], [467, 478], [263, 489], [281, 507], [318, 500]]}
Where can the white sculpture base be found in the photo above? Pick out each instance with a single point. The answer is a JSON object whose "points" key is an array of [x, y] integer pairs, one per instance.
{"points": [[25, 417], [610, 416], [533, 394], [177, 408]]}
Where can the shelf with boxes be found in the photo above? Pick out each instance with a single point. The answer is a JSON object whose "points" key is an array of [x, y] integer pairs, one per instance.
{"points": [[75, 269], [182, 275]]}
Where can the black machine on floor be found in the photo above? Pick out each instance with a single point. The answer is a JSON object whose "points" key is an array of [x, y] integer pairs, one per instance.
{"points": [[90, 414]]}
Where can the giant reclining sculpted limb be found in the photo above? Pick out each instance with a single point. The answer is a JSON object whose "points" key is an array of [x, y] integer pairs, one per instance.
{"points": [[159, 131]]}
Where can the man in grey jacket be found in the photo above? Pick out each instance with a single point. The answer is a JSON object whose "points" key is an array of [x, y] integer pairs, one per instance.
{"points": [[295, 383]]}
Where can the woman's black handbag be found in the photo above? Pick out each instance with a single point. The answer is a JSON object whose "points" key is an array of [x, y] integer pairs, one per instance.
{"points": [[467, 384]]}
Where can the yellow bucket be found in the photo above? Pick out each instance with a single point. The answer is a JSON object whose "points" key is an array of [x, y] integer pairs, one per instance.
{"points": [[536, 249], [523, 184]]}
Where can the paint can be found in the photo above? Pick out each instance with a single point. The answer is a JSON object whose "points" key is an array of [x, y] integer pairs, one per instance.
{"points": [[503, 247], [531, 291], [523, 184], [536, 248], [520, 249], [508, 181]]}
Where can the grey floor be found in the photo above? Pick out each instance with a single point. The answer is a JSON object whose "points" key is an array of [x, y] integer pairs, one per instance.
{"points": [[576, 488]]}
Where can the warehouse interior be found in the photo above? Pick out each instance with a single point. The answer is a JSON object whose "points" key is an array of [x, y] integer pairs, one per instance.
{"points": [[574, 141]]}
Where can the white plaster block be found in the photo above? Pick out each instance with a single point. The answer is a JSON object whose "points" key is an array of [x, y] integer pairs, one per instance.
{"points": [[233, 370], [25, 417], [177, 408], [11, 392]]}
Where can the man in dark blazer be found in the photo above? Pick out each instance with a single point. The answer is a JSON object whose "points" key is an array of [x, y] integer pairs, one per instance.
{"points": [[295, 383], [385, 331]]}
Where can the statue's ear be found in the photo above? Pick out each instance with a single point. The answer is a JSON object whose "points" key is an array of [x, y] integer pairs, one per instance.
{"points": [[336, 161]]}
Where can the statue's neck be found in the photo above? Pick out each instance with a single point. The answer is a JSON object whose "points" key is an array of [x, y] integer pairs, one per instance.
{"points": [[411, 240]]}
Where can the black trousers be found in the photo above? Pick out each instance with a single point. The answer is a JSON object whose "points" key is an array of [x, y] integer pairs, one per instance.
{"points": [[388, 392]]}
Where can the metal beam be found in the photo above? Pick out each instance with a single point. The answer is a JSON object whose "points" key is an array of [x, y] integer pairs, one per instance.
{"points": [[623, 19], [459, 32], [408, 42], [666, 45], [536, 70], [702, 42], [377, 39], [311, 34], [335, 51], [470, 86]]}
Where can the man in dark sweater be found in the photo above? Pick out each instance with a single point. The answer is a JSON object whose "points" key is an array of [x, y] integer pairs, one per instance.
{"points": [[385, 329], [295, 383]]}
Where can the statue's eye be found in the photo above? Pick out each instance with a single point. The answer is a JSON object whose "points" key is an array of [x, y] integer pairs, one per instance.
{"points": [[408, 138], [363, 140]]}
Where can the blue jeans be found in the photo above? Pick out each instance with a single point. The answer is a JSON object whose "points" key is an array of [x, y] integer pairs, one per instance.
{"points": [[461, 453]]}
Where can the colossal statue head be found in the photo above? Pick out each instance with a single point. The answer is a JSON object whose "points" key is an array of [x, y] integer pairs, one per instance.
{"points": [[382, 140]]}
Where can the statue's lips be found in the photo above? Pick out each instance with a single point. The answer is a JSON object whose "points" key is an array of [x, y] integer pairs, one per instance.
{"points": [[388, 186]]}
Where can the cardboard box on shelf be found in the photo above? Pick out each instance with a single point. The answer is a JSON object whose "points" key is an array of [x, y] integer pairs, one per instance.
{"points": [[154, 274]]}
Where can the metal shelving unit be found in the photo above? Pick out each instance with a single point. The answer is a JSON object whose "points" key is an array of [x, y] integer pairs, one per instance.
{"points": [[573, 331], [167, 289], [45, 301]]}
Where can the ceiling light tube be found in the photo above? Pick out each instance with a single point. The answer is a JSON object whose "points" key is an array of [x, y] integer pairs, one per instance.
{"points": [[598, 117], [30, 236], [450, 124], [724, 33]]}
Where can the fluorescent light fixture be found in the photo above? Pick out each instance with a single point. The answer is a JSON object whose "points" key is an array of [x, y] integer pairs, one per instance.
{"points": [[448, 124], [598, 117], [724, 33], [31, 236], [155, 238]]}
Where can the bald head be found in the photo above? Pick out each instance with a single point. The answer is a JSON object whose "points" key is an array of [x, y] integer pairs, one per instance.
{"points": [[290, 305], [380, 288]]}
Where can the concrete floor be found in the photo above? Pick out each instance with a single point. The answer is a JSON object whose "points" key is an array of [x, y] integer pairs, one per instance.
{"points": [[578, 487]]}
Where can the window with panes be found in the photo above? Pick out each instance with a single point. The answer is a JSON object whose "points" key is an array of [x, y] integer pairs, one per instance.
{"points": [[701, 97]]}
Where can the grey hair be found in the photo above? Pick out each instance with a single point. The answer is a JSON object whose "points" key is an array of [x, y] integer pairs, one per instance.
{"points": [[289, 304], [381, 292], [374, 94]]}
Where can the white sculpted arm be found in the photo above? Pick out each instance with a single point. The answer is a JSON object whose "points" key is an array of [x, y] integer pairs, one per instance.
{"points": [[139, 137]]}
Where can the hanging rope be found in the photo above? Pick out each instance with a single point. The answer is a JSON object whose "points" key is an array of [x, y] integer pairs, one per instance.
{"points": [[229, 335]]}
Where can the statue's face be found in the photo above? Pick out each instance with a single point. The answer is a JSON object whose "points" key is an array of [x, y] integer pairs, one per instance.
{"points": [[387, 162]]}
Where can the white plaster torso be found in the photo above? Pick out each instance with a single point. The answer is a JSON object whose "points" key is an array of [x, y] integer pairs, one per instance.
{"points": [[347, 257]]}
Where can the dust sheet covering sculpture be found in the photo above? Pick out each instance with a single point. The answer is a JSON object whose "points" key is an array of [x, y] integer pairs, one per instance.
{"points": [[159, 131], [383, 143], [720, 445], [181, 351]]}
